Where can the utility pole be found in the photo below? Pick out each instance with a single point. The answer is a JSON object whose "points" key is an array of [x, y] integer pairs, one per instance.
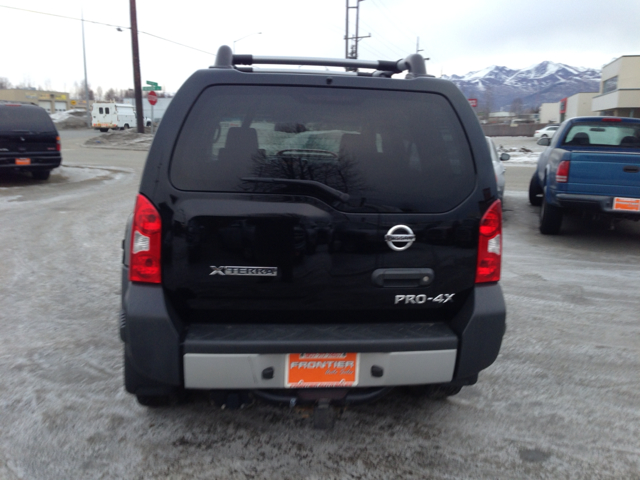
{"points": [[418, 50], [353, 51], [86, 82], [137, 83]]}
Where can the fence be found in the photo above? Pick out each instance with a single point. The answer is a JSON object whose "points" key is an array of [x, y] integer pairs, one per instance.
{"points": [[522, 130]]}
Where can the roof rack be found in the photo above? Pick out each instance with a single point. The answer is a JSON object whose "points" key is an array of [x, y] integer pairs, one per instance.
{"points": [[413, 63]]}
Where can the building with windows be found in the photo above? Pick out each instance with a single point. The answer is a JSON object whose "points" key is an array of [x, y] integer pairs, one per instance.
{"points": [[619, 94], [51, 101]]}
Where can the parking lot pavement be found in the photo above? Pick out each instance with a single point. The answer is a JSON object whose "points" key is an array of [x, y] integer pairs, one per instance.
{"points": [[561, 401]]}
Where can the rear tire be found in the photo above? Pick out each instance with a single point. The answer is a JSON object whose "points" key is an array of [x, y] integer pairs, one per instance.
{"points": [[550, 218], [41, 174], [535, 191], [148, 392], [104, 130]]}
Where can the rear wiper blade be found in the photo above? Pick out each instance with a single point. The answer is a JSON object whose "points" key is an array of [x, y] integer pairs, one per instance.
{"points": [[342, 196]]}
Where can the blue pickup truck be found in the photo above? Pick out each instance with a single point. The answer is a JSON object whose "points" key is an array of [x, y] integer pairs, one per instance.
{"points": [[591, 165]]}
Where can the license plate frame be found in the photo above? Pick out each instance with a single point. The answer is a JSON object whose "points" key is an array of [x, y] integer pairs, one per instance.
{"points": [[321, 370], [623, 204], [23, 161]]}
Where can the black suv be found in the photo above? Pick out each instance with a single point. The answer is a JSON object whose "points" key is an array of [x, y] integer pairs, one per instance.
{"points": [[316, 236], [29, 140]]}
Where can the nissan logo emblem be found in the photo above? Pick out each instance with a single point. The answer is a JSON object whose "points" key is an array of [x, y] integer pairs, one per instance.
{"points": [[404, 236]]}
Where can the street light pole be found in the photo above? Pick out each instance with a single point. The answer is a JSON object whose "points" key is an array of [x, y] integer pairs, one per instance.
{"points": [[250, 35]]}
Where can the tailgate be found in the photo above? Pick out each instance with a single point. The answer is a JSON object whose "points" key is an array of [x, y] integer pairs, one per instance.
{"points": [[18, 143], [264, 260], [605, 173]]}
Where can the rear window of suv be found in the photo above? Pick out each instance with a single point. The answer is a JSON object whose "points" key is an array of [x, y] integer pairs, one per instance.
{"points": [[18, 118], [390, 151]]}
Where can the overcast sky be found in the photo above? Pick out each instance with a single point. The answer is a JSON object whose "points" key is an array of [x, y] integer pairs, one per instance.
{"points": [[459, 36]]}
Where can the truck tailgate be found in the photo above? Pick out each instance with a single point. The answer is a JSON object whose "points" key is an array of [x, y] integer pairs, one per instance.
{"points": [[605, 173]]}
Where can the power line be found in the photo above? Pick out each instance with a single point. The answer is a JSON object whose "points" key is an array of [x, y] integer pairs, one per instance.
{"points": [[388, 45], [119, 27], [389, 19]]}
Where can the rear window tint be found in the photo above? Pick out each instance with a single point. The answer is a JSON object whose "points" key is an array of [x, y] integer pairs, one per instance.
{"points": [[18, 118], [390, 151]]}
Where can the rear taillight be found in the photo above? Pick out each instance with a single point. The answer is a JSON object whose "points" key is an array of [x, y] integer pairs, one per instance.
{"points": [[611, 119], [146, 231], [58, 143], [490, 245], [562, 174]]}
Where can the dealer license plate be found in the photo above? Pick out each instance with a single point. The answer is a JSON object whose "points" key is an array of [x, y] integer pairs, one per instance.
{"points": [[316, 370], [626, 204], [23, 161]]}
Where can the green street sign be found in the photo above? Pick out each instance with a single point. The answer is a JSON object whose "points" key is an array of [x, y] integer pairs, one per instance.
{"points": [[153, 84], [150, 88]]}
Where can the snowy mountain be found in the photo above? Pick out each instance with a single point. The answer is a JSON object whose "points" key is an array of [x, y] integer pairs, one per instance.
{"points": [[544, 82]]}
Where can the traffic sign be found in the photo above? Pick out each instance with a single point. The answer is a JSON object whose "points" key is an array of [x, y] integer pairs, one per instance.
{"points": [[151, 88], [152, 97], [153, 84], [473, 102]]}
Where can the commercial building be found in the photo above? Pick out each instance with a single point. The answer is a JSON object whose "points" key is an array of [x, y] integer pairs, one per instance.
{"points": [[619, 94], [578, 105], [550, 113], [50, 101]]}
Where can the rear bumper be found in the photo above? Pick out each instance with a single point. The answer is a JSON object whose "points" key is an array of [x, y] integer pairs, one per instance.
{"points": [[37, 162], [227, 356], [591, 203], [245, 371]]}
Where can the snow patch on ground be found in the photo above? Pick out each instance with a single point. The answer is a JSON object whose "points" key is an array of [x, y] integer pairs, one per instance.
{"points": [[127, 139], [70, 119], [523, 150]]}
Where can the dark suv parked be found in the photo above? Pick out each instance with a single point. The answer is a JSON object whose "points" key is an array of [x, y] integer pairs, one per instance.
{"points": [[29, 140], [313, 236]]}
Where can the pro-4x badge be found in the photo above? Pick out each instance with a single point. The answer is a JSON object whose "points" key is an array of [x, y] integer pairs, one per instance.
{"points": [[244, 271]]}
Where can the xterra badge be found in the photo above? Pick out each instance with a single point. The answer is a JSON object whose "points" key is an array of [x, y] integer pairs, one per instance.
{"points": [[245, 271]]}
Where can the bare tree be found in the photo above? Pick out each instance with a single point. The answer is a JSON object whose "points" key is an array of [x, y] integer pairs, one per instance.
{"points": [[99, 93], [26, 83], [110, 96], [5, 83]]}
